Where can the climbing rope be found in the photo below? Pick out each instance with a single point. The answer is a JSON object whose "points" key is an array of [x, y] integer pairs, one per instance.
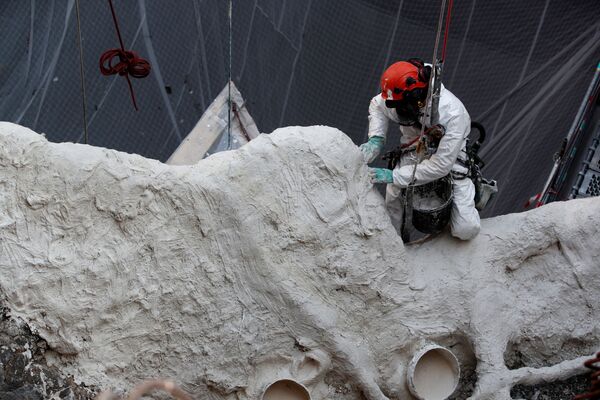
{"points": [[447, 30], [229, 104], [428, 117], [129, 63]]}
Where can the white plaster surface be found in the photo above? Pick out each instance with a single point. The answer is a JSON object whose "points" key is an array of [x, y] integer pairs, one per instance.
{"points": [[278, 261]]}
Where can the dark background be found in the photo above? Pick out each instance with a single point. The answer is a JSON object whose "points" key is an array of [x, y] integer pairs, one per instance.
{"points": [[520, 67]]}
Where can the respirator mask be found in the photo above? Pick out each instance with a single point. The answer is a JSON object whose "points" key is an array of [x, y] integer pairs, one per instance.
{"points": [[409, 109]]}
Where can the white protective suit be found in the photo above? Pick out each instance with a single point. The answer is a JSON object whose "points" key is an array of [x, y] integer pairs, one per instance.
{"points": [[453, 116]]}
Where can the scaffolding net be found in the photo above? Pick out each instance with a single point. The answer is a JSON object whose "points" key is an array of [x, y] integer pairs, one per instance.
{"points": [[521, 68]]}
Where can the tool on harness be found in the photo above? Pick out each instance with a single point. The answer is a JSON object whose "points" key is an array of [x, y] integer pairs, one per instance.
{"points": [[433, 136], [485, 189]]}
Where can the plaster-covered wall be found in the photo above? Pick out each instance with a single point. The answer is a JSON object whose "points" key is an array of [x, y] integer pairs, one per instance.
{"points": [[278, 260]]}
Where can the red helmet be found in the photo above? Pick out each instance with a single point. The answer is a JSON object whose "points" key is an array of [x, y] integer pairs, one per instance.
{"points": [[403, 76]]}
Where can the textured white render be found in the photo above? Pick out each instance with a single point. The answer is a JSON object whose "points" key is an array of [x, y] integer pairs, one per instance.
{"points": [[278, 260]]}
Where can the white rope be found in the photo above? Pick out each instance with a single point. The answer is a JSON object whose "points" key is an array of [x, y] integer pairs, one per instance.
{"points": [[83, 98], [426, 117], [229, 79]]}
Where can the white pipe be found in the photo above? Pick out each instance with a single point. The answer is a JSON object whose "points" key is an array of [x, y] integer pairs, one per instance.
{"points": [[433, 373], [286, 389]]}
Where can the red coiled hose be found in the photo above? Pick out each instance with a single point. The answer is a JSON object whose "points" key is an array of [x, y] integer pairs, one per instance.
{"points": [[129, 62]]}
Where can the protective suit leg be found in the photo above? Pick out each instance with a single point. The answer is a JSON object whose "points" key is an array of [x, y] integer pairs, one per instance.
{"points": [[464, 218], [395, 206]]}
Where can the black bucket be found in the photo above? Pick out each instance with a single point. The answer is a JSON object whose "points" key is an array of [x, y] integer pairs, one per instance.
{"points": [[432, 205]]}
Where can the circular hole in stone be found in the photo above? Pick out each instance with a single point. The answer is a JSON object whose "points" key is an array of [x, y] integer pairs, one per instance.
{"points": [[433, 373], [286, 389]]}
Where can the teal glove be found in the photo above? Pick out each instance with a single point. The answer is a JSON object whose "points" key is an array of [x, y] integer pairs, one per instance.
{"points": [[372, 148], [381, 175]]}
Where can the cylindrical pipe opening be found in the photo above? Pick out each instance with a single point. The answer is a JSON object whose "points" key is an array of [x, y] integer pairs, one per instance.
{"points": [[433, 373], [286, 389]]}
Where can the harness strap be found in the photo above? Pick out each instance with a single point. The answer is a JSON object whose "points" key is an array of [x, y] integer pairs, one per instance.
{"points": [[459, 176], [405, 145]]}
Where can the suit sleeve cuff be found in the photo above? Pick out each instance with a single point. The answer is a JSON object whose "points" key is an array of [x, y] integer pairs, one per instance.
{"points": [[403, 175]]}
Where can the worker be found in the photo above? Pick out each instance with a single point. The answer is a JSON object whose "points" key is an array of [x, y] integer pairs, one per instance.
{"points": [[404, 87]]}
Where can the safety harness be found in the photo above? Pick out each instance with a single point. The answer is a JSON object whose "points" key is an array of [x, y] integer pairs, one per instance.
{"points": [[469, 159], [484, 189]]}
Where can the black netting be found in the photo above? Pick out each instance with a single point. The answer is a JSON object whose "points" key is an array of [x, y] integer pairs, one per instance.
{"points": [[521, 68]]}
